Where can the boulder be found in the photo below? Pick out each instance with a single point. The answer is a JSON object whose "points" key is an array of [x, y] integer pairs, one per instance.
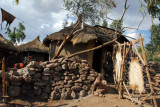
{"points": [[14, 91], [83, 93], [55, 95]]}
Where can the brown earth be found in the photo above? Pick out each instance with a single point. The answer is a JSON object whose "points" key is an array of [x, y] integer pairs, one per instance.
{"points": [[110, 100]]}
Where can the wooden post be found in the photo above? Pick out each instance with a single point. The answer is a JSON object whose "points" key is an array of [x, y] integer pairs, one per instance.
{"points": [[122, 70], [3, 78], [147, 71]]}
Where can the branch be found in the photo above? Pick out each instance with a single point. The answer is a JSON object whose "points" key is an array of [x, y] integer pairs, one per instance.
{"points": [[138, 24], [119, 21], [92, 49]]}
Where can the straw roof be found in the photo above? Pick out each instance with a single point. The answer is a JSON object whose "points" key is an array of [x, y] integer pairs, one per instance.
{"points": [[6, 45], [34, 45], [88, 33]]}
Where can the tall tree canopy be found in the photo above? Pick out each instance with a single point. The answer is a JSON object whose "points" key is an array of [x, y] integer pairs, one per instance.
{"points": [[91, 10], [120, 25], [105, 24], [17, 35]]}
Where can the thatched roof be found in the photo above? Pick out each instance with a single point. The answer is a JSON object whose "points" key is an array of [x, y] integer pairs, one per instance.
{"points": [[6, 45], [89, 33], [34, 46]]}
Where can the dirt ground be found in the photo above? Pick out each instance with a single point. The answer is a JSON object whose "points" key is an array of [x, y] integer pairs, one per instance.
{"points": [[110, 100]]}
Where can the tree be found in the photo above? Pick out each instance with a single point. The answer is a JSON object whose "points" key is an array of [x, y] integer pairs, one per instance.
{"points": [[18, 34], [65, 23], [17, 2], [91, 10], [120, 25], [153, 8], [105, 24]]}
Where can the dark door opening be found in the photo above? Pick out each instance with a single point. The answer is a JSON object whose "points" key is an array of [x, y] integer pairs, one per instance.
{"points": [[97, 58]]}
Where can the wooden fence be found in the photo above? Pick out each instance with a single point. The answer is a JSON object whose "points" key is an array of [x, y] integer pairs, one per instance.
{"points": [[131, 74]]}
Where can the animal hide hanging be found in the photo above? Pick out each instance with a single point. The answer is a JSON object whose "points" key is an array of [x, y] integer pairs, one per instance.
{"points": [[136, 81], [118, 65], [7, 17]]}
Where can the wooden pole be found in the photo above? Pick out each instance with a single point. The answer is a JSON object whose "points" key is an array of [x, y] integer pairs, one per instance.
{"points": [[3, 78], [147, 71], [122, 70]]}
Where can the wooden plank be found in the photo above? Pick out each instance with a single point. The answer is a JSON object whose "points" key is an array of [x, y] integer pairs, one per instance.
{"points": [[147, 71]]}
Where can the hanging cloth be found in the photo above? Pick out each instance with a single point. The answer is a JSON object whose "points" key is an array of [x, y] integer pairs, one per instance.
{"points": [[7, 17]]}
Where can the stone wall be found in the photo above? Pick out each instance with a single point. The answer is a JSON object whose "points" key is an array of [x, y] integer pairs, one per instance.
{"points": [[58, 79]]}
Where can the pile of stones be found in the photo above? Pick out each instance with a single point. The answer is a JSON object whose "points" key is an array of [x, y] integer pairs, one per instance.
{"points": [[56, 79]]}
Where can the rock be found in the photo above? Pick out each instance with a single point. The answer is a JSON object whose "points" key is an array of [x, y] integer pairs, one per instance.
{"points": [[67, 86], [39, 83], [85, 87], [36, 76], [64, 66], [34, 64], [52, 65], [37, 91], [83, 93], [15, 83], [46, 70], [58, 68], [53, 60], [56, 78], [27, 78], [46, 89], [44, 96], [83, 77], [14, 91], [68, 77], [36, 80], [55, 95], [66, 95], [74, 77], [70, 82], [74, 95], [76, 88], [91, 78], [43, 64], [15, 78], [45, 78]]}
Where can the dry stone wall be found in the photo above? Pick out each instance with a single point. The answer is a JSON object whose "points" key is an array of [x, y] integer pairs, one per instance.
{"points": [[58, 79]]}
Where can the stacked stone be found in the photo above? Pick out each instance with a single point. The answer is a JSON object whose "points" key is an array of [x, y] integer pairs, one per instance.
{"points": [[56, 79], [70, 79], [154, 68], [156, 78], [21, 81]]}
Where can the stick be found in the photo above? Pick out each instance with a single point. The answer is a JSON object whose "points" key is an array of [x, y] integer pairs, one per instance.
{"points": [[147, 71], [65, 40], [135, 47], [122, 70], [89, 50]]}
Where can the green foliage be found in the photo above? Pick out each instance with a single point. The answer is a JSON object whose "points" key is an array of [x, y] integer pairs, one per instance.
{"points": [[91, 10], [153, 48], [152, 6], [120, 25], [65, 23], [155, 31], [17, 2], [18, 34], [105, 24]]}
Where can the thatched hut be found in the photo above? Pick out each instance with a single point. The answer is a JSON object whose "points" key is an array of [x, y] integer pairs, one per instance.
{"points": [[6, 48], [89, 37], [34, 48]]}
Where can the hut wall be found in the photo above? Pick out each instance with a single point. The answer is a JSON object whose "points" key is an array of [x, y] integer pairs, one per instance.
{"points": [[35, 56], [70, 49], [90, 54]]}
